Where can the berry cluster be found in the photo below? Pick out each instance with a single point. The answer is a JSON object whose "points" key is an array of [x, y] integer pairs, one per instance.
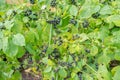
{"points": [[85, 24], [31, 15], [96, 15], [54, 22], [79, 75], [73, 21], [53, 3], [32, 1], [55, 54], [73, 2], [27, 12], [87, 50]]}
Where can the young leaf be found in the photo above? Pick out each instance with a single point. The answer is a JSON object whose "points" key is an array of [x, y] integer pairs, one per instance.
{"points": [[73, 10], [19, 39], [62, 73]]}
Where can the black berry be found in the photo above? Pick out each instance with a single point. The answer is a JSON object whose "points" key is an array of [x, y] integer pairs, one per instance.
{"points": [[87, 50], [27, 12], [73, 2], [96, 15], [85, 24], [32, 1], [73, 21], [53, 3], [54, 22]]}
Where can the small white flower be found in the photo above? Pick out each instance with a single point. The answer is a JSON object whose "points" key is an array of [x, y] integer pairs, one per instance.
{"points": [[43, 7]]}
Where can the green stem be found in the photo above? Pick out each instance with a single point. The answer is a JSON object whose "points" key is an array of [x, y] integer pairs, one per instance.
{"points": [[96, 73], [50, 36]]}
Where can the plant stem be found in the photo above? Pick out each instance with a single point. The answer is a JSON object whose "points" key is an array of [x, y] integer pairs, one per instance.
{"points": [[50, 36]]}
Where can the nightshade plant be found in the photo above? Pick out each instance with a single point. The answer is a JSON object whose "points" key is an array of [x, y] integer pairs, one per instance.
{"points": [[61, 40]]}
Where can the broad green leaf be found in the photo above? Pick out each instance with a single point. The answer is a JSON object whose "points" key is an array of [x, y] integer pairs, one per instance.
{"points": [[70, 59], [19, 39], [117, 55], [9, 24], [21, 52], [16, 75], [18, 26], [115, 69], [94, 50], [1, 25], [73, 74], [30, 37], [25, 19], [104, 31], [5, 44], [88, 8], [1, 34], [12, 49], [104, 59], [1, 44], [104, 72], [116, 37], [115, 19], [106, 10], [87, 77], [62, 73], [83, 37], [30, 49], [73, 10], [117, 75], [48, 69]]}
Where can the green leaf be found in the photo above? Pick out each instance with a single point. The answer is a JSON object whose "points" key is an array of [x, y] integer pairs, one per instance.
{"points": [[104, 72], [12, 49], [5, 44], [25, 19], [21, 52], [117, 75], [116, 37], [19, 39], [115, 19], [62, 73], [106, 10], [88, 8], [117, 55], [115, 69], [1, 44], [73, 10], [94, 50], [104, 59], [104, 31], [9, 24], [30, 49], [1, 34], [84, 37], [48, 69]]}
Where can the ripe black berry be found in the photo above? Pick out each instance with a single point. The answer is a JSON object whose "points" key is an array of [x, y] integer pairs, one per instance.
{"points": [[53, 78], [87, 50], [73, 2], [79, 75], [33, 16], [53, 3], [4, 59], [85, 24], [27, 12], [96, 15], [54, 22], [32, 1], [73, 21], [56, 53]]}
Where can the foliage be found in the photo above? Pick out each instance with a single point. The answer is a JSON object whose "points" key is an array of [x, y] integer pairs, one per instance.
{"points": [[64, 40]]}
